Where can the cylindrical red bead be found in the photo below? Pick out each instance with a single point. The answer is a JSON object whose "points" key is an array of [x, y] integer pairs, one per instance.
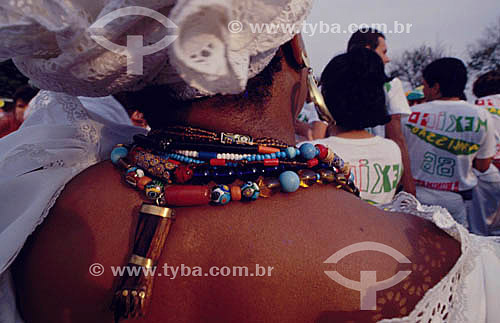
{"points": [[271, 162], [217, 162], [187, 195], [323, 151], [312, 162]]}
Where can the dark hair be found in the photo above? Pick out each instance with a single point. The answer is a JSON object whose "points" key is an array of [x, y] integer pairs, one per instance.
{"points": [[25, 93], [487, 84], [365, 37], [258, 91], [451, 75], [353, 87]]}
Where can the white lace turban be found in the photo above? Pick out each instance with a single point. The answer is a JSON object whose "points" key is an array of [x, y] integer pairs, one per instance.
{"points": [[51, 42]]}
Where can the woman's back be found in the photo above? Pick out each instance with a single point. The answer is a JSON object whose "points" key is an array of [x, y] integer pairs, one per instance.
{"points": [[290, 235]]}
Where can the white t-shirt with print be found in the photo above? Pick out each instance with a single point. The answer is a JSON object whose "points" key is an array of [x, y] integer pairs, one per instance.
{"points": [[492, 105], [376, 163], [396, 103], [443, 139]]}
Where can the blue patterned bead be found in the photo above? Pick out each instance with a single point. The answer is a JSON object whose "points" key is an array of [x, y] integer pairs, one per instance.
{"points": [[153, 189], [117, 153], [260, 157], [221, 195], [290, 181], [308, 151], [291, 152], [250, 191]]}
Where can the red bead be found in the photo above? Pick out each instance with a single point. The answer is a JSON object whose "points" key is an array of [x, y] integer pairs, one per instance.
{"points": [[183, 174], [187, 195], [217, 162], [271, 162], [323, 151], [312, 162]]}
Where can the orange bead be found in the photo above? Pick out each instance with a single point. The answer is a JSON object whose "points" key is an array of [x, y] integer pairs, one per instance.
{"points": [[142, 182], [268, 150], [235, 193]]}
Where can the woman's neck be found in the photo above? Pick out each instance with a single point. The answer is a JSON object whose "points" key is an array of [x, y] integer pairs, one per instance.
{"points": [[349, 134]]}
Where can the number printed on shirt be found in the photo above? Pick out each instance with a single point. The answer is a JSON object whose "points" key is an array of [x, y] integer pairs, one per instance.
{"points": [[441, 166]]}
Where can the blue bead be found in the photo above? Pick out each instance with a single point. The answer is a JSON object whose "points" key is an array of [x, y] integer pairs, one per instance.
{"points": [[308, 151], [250, 191], [273, 155], [267, 156], [220, 195], [117, 153], [291, 152], [290, 181], [260, 157]]}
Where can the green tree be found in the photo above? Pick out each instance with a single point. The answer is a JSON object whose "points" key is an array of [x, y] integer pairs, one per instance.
{"points": [[484, 55], [409, 65]]}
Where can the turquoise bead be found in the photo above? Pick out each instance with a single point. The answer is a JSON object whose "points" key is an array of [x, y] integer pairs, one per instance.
{"points": [[290, 181], [291, 152], [117, 153], [308, 151]]}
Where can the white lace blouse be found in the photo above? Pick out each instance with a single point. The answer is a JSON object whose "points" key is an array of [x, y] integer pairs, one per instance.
{"points": [[62, 138]]}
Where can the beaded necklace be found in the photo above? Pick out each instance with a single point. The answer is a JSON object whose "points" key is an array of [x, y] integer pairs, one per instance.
{"points": [[185, 166], [159, 166]]}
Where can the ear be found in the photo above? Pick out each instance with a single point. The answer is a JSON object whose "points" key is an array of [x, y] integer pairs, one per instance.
{"points": [[299, 49], [436, 90]]}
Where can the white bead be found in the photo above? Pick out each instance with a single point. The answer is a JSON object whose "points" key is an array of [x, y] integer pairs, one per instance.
{"points": [[219, 156]]}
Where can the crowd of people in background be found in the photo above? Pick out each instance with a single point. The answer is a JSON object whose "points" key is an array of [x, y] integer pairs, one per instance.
{"points": [[437, 146]]}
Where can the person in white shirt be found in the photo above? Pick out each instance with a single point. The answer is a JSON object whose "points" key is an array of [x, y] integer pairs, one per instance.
{"points": [[397, 105], [353, 87], [486, 195], [447, 138]]}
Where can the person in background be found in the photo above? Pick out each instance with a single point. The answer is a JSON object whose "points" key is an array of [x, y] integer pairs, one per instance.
{"points": [[397, 105], [353, 83], [8, 120], [22, 98], [486, 195], [447, 138], [487, 89], [308, 126], [416, 96]]}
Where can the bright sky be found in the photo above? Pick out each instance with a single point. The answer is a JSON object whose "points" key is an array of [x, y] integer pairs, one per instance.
{"points": [[453, 23]]}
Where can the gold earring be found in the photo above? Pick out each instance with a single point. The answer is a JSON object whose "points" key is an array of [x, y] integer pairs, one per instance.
{"points": [[316, 95]]}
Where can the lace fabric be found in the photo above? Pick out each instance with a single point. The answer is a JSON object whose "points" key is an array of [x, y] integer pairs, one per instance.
{"points": [[467, 293], [51, 42]]}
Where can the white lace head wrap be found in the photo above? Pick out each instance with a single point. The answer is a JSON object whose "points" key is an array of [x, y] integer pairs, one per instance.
{"points": [[51, 42]]}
